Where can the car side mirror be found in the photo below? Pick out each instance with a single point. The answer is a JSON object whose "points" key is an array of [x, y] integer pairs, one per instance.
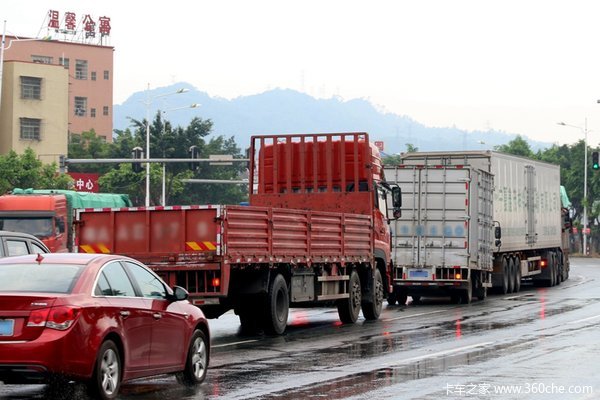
{"points": [[180, 294]]}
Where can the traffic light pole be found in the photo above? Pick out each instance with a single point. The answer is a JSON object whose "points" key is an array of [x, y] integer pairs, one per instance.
{"points": [[585, 220]]}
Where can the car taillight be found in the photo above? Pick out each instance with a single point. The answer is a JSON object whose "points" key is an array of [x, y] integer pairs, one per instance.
{"points": [[59, 318], [38, 317]]}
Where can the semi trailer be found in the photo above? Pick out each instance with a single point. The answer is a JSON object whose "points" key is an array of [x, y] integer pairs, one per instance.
{"points": [[476, 220]]}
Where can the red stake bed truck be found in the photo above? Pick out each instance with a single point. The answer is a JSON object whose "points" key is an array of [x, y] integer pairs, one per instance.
{"points": [[316, 232]]}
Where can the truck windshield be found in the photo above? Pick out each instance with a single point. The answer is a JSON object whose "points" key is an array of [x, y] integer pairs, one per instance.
{"points": [[40, 227]]}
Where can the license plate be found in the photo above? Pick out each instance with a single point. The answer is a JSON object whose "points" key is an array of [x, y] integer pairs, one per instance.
{"points": [[418, 273], [7, 327]]}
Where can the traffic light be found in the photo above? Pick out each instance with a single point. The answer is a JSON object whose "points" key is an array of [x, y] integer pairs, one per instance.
{"points": [[62, 163], [137, 153], [194, 154], [595, 163]]}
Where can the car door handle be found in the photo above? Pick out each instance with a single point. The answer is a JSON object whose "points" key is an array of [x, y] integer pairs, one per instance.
{"points": [[125, 314], [157, 315]]}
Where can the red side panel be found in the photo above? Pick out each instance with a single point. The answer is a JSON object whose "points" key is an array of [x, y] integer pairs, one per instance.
{"points": [[145, 233], [259, 235]]}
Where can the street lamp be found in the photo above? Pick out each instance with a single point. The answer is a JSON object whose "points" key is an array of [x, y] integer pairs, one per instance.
{"points": [[163, 198], [585, 220], [148, 103]]}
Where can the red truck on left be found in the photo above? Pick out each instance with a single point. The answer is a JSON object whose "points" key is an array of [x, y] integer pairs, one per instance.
{"points": [[48, 214]]}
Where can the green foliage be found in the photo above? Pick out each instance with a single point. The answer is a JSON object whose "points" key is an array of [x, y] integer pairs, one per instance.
{"points": [[518, 147], [392, 159], [165, 142], [26, 171]]}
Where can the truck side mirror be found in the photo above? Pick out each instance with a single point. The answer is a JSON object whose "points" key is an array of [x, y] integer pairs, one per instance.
{"points": [[397, 201], [498, 235]]}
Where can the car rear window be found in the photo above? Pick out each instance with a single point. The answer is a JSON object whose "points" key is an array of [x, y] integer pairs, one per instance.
{"points": [[45, 278]]}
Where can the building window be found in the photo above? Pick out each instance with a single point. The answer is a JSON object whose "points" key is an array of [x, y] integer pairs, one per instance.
{"points": [[105, 110], [93, 112], [93, 75], [31, 88], [106, 75], [81, 69], [41, 59], [30, 128], [80, 106], [64, 62]]}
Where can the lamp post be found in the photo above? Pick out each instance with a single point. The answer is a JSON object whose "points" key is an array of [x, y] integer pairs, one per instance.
{"points": [[585, 220], [148, 103], [163, 198]]}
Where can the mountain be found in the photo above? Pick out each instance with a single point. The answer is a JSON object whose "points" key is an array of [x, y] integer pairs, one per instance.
{"points": [[288, 111]]}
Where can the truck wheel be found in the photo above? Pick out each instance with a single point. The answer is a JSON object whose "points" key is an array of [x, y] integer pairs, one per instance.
{"points": [[392, 299], [348, 309], [402, 297], [511, 275], [505, 273], [479, 290], [558, 268], [517, 269], [372, 309], [278, 306], [551, 280], [466, 295]]}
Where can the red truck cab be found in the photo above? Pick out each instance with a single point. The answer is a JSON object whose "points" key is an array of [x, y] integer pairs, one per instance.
{"points": [[44, 216]]}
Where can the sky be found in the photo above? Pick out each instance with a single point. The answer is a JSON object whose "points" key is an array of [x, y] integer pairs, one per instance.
{"points": [[517, 66]]}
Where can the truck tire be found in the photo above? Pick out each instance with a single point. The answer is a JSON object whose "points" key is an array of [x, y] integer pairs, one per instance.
{"points": [[372, 309], [466, 295], [479, 290], [250, 312], [348, 309], [511, 275], [505, 274], [278, 306], [517, 269], [551, 279], [557, 265]]}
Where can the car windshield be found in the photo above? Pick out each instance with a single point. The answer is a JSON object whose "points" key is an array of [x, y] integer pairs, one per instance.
{"points": [[40, 227], [45, 278]]}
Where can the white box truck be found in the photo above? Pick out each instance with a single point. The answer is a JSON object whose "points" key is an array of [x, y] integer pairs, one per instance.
{"points": [[476, 219]]}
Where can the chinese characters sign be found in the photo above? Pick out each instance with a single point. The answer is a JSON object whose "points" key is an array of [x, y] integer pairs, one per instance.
{"points": [[69, 24], [379, 145], [85, 182]]}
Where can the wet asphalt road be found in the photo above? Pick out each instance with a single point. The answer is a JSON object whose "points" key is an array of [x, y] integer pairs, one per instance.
{"points": [[537, 344]]}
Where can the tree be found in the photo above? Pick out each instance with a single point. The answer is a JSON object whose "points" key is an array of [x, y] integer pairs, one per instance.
{"points": [[26, 171], [518, 147], [89, 145], [168, 142]]}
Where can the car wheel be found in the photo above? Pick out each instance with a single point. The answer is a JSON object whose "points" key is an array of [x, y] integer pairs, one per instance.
{"points": [[196, 362], [106, 380], [348, 309]]}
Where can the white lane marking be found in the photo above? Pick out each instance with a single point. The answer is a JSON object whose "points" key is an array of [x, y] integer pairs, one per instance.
{"points": [[439, 354], [414, 315], [585, 319], [234, 343]]}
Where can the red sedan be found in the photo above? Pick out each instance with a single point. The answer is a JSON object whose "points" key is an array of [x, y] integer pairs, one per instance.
{"points": [[102, 319]]}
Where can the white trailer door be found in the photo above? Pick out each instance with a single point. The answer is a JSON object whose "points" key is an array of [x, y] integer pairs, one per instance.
{"points": [[434, 227]]}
